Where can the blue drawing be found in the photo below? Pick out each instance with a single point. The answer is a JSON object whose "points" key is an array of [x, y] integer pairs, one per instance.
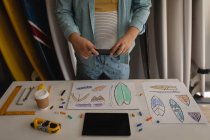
{"points": [[122, 94], [157, 106], [177, 110], [195, 116]]}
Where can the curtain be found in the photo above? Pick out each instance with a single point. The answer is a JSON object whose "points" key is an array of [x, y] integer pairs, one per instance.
{"points": [[177, 41]]}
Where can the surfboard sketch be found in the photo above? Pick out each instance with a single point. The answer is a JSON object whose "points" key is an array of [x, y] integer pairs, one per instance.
{"points": [[164, 87], [84, 87], [122, 94], [195, 116], [83, 105], [79, 98], [97, 99], [99, 88], [177, 110], [157, 106], [184, 99], [177, 103], [106, 95]]}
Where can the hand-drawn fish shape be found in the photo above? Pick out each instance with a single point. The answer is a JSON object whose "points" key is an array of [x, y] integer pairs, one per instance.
{"points": [[122, 94], [157, 106], [177, 110], [99, 88], [164, 87], [195, 116], [184, 99]]}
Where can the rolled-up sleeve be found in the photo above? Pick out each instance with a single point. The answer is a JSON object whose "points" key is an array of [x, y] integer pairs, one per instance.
{"points": [[65, 17], [141, 11]]}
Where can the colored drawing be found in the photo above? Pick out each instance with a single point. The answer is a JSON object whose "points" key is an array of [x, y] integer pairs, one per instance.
{"points": [[98, 99], [195, 116], [98, 105], [176, 98], [83, 105], [164, 87], [99, 88], [157, 106], [79, 99], [177, 110], [84, 87], [122, 94], [184, 99], [103, 95]]}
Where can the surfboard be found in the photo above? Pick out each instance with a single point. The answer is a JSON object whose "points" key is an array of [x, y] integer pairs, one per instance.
{"points": [[5, 76], [19, 22], [37, 18], [60, 43], [12, 51]]}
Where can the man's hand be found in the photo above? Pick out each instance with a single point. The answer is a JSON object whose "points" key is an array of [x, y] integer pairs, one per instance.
{"points": [[123, 45], [82, 46]]}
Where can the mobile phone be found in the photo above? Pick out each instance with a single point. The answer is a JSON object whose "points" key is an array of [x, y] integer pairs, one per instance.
{"points": [[104, 51]]}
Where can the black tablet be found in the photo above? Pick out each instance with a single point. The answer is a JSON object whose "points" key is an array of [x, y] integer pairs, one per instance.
{"points": [[106, 124]]}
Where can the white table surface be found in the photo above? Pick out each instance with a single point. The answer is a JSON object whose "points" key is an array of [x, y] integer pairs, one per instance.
{"points": [[18, 127]]}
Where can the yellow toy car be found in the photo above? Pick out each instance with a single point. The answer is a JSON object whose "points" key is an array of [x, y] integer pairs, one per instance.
{"points": [[46, 126]]}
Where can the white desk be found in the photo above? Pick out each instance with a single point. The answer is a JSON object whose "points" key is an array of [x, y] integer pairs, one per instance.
{"points": [[18, 127]]}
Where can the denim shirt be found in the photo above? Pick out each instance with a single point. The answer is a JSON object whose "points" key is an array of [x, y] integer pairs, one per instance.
{"points": [[78, 16]]}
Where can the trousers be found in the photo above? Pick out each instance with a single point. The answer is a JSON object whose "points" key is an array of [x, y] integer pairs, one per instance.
{"points": [[103, 67]]}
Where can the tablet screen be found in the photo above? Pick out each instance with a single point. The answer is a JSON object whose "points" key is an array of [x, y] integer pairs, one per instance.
{"points": [[106, 124]]}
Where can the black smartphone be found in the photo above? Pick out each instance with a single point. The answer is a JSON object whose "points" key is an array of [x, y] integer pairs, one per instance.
{"points": [[106, 124], [104, 51]]}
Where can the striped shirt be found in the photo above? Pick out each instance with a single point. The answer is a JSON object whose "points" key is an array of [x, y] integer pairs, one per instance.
{"points": [[106, 23], [105, 29]]}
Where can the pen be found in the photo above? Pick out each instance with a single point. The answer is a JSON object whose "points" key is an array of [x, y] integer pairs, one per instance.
{"points": [[30, 89], [63, 92]]}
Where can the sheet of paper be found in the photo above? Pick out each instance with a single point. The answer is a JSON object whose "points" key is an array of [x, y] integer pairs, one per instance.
{"points": [[171, 102], [103, 95]]}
